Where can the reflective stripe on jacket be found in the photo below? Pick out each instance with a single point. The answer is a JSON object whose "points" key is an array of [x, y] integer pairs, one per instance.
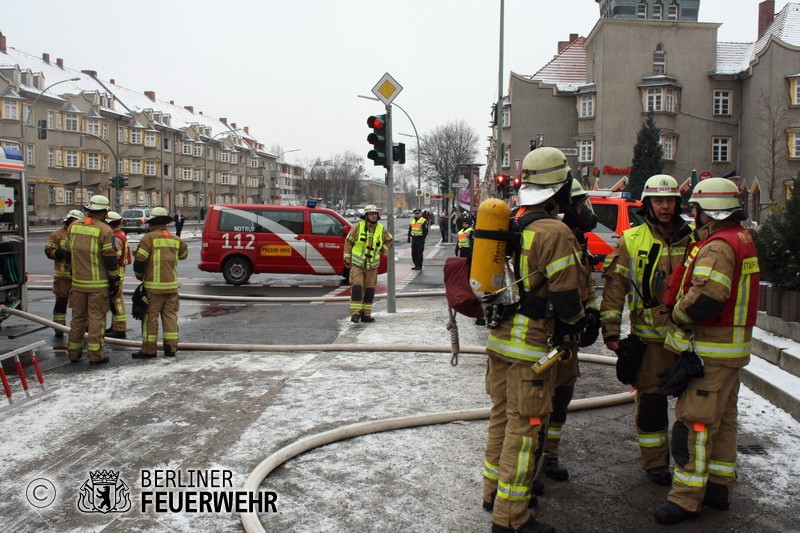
{"points": [[727, 273], [464, 238], [123, 249], [363, 253], [416, 229], [58, 240], [89, 241]]}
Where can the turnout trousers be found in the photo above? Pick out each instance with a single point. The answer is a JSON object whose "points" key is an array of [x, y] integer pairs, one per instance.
{"points": [[567, 373], [362, 290], [61, 290], [704, 438], [88, 316], [652, 422], [520, 402], [166, 306]]}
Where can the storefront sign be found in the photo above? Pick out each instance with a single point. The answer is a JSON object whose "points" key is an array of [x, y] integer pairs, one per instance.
{"points": [[608, 169]]}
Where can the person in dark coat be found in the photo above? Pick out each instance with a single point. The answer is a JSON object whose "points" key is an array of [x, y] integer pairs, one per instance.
{"points": [[179, 221]]}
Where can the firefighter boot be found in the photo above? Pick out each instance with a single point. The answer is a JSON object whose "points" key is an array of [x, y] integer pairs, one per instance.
{"points": [[365, 318], [167, 350], [531, 526], [717, 496], [554, 471], [141, 355], [660, 475], [672, 513], [111, 334]]}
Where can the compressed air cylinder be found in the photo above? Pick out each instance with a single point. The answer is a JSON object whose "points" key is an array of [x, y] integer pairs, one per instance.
{"points": [[489, 255]]}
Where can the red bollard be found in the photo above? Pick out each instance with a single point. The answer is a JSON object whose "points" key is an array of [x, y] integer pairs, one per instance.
{"points": [[6, 386], [39, 376], [22, 376]]}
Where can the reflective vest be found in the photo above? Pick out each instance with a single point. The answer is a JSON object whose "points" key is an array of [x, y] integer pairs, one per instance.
{"points": [[738, 313], [416, 226], [125, 250], [646, 253], [463, 237], [367, 255]]}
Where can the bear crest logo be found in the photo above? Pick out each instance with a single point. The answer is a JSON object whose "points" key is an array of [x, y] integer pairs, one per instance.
{"points": [[104, 492]]}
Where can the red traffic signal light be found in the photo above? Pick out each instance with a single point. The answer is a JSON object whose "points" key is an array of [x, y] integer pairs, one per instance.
{"points": [[516, 182], [380, 153], [377, 122], [501, 180]]}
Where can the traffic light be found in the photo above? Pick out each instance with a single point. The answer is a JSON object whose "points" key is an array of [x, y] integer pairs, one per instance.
{"points": [[42, 129], [501, 182], [378, 140], [112, 182], [516, 182], [399, 153], [122, 181]]}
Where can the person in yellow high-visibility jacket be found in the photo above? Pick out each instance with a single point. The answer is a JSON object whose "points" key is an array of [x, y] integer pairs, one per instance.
{"points": [[464, 239], [417, 232]]}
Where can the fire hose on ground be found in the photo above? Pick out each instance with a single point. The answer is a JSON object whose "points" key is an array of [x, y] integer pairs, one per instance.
{"points": [[250, 521]]}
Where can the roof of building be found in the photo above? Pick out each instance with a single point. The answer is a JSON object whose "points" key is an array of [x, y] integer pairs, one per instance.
{"points": [[733, 58], [567, 70]]}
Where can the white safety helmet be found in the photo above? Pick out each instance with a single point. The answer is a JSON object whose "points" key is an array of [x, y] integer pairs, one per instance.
{"points": [[371, 209], [112, 216], [98, 202], [544, 172], [717, 197], [661, 185], [157, 212], [75, 213]]}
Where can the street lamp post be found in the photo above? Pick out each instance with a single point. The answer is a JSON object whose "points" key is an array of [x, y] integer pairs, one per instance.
{"points": [[25, 122]]}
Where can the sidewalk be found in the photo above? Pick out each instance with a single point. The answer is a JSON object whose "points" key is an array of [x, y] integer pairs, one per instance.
{"points": [[228, 411]]}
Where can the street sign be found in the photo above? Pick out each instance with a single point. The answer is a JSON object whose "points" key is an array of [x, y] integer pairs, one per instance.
{"points": [[518, 165], [434, 196], [705, 175], [419, 192], [450, 195], [387, 89], [572, 151], [427, 195]]}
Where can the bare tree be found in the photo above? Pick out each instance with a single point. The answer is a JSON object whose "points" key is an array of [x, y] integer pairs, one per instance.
{"points": [[444, 149], [773, 123], [335, 180]]}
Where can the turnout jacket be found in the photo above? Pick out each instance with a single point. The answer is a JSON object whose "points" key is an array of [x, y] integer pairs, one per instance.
{"points": [[94, 259], [549, 259], [155, 261], [718, 300], [58, 239], [638, 269], [365, 243], [123, 249]]}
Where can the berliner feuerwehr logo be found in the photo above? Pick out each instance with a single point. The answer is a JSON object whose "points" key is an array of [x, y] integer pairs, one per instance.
{"points": [[104, 493]]}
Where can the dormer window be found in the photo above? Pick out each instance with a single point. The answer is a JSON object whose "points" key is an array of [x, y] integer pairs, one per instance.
{"points": [[672, 13], [659, 60], [641, 10], [658, 11]]}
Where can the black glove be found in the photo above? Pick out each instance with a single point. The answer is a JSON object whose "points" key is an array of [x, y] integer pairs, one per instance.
{"points": [[409, 240], [140, 302], [62, 255], [568, 350], [564, 333], [592, 329], [113, 285], [629, 358], [673, 380]]}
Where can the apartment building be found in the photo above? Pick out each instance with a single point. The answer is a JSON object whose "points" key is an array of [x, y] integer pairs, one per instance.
{"points": [[78, 130], [723, 108]]}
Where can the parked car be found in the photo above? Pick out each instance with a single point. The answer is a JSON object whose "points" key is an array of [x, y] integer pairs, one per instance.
{"points": [[134, 219], [240, 240], [615, 212]]}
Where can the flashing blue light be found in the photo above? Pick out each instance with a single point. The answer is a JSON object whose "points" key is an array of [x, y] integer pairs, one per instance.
{"points": [[311, 202], [626, 195], [12, 153]]}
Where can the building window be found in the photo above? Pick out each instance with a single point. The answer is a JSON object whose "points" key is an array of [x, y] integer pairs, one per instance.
{"points": [[105, 164], [641, 10], [587, 106], [150, 139], [93, 127], [234, 158], [794, 144], [658, 11], [198, 150], [149, 168], [198, 175], [659, 60], [136, 136], [668, 147], [722, 103], [51, 157], [167, 144], [655, 100], [670, 98], [72, 159], [224, 179], [136, 166], [720, 149], [225, 156], [68, 196], [586, 151], [51, 196], [93, 161], [187, 174], [187, 148], [165, 169], [71, 122], [253, 162], [29, 155], [506, 117], [105, 131], [10, 110], [672, 13], [27, 109], [507, 155]]}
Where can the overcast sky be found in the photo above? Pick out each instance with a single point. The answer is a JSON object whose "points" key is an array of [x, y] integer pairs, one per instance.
{"points": [[292, 70]]}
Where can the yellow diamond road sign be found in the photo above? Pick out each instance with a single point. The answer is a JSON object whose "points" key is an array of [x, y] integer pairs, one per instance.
{"points": [[387, 89]]}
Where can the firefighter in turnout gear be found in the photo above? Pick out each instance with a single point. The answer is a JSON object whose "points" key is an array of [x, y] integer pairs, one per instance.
{"points": [[155, 262], [464, 238], [713, 317], [417, 232], [638, 269], [57, 249], [549, 315], [580, 218], [365, 244], [119, 322], [95, 277]]}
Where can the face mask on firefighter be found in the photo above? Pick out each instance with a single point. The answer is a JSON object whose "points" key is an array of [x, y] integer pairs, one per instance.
{"points": [[580, 215]]}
